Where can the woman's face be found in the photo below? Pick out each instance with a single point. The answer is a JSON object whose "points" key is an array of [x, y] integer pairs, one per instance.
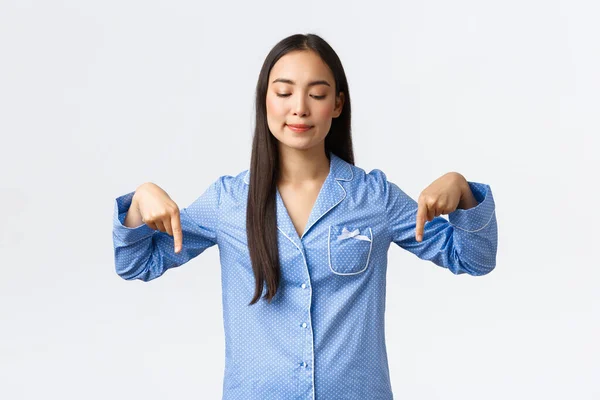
{"points": [[301, 91]]}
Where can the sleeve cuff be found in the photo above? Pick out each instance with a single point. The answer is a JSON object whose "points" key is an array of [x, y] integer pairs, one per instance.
{"points": [[478, 217], [126, 234]]}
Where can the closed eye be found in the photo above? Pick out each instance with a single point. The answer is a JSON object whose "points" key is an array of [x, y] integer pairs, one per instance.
{"points": [[288, 94]]}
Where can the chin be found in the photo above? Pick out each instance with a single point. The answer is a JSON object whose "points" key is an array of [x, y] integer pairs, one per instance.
{"points": [[299, 146]]}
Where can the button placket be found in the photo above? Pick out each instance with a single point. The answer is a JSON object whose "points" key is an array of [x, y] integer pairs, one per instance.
{"points": [[306, 357]]}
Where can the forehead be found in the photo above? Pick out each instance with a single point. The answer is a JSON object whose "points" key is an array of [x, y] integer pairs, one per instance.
{"points": [[301, 67]]}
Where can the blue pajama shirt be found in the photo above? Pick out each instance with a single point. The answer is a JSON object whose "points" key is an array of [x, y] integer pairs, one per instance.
{"points": [[322, 335]]}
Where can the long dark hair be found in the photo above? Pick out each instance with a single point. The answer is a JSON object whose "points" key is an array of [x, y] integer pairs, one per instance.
{"points": [[261, 214]]}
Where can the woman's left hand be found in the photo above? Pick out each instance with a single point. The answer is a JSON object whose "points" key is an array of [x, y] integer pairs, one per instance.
{"points": [[444, 195]]}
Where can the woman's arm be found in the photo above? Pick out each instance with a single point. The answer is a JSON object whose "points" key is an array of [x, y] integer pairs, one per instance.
{"points": [[465, 243], [143, 253], [133, 218]]}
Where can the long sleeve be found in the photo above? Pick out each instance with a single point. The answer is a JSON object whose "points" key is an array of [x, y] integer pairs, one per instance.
{"points": [[145, 254], [464, 243]]}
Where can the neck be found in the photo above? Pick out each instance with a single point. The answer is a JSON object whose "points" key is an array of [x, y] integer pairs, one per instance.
{"points": [[302, 166]]}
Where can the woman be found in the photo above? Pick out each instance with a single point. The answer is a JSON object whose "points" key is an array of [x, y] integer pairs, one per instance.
{"points": [[309, 229]]}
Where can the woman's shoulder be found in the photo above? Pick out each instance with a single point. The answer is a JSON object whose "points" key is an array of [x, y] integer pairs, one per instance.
{"points": [[232, 187], [233, 181], [374, 180]]}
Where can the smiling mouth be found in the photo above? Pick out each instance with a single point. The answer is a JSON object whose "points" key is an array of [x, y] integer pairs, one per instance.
{"points": [[299, 128]]}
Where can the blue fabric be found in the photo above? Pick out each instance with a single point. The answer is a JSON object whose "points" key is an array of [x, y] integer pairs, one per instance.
{"points": [[322, 336]]}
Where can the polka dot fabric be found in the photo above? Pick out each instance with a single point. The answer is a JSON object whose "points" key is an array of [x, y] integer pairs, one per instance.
{"points": [[322, 336]]}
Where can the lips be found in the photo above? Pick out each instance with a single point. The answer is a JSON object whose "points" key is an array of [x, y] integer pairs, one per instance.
{"points": [[299, 127]]}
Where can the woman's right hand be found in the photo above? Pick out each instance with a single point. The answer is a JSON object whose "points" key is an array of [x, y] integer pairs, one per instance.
{"points": [[158, 211]]}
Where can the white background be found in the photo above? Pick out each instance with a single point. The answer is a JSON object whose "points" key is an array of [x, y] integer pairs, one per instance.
{"points": [[99, 97]]}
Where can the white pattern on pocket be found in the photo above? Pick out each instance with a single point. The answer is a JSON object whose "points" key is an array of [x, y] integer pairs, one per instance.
{"points": [[346, 234], [348, 251]]}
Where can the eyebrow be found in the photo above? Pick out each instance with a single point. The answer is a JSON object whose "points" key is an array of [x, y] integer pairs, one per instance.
{"points": [[291, 82]]}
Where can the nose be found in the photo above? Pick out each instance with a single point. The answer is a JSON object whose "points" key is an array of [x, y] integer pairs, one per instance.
{"points": [[300, 107]]}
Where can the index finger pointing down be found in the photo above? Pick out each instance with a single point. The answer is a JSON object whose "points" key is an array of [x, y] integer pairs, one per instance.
{"points": [[177, 234], [421, 217]]}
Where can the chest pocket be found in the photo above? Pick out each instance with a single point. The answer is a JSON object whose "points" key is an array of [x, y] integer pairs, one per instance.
{"points": [[349, 249]]}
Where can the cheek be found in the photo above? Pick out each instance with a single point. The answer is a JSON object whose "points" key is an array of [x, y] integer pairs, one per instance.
{"points": [[325, 112], [274, 107]]}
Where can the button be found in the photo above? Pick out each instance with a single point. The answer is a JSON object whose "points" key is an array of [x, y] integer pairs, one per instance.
{"points": [[304, 286], [303, 364], [304, 324]]}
